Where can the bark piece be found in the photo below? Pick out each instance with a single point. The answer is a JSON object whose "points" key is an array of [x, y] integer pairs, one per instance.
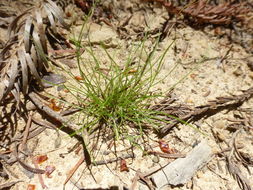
{"points": [[183, 169]]}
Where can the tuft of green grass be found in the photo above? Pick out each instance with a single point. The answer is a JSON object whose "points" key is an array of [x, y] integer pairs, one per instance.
{"points": [[115, 99]]}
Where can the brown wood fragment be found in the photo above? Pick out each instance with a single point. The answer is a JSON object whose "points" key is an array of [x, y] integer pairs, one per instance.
{"points": [[55, 115], [31, 169], [73, 170], [26, 132], [84, 138]]}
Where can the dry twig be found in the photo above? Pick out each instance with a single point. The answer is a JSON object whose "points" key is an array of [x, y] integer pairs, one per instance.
{"points": [[95, 163], [190, 114]]}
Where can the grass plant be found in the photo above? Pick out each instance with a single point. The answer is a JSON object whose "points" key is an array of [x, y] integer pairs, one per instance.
{"points": [[116, 98]]}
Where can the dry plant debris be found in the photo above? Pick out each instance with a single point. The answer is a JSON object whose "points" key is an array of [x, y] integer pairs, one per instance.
{"points": [[25, 56], [182, 170], [233, 162], [202, 12], [31, 51], [9, 184], [182, 113], [230, 18]]}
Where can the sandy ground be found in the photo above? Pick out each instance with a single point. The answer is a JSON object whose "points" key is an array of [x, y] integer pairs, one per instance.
{"points": [[195, 82]]}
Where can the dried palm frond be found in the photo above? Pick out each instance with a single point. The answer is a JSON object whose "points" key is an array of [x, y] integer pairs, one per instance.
{"points": [[24, 57]]}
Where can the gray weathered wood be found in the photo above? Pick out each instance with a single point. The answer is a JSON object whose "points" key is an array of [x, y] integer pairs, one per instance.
{"points": [[183, 169]]}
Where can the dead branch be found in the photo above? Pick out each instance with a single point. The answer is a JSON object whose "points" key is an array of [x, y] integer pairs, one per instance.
{"points": [[71, 127], [202, 12], [55, 115], [191, 114]]}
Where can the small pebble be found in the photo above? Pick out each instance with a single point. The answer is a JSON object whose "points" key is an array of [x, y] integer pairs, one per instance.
{"points": [[155, 159], [52, 79], [238, 71], [220, 124], [200, 174]]}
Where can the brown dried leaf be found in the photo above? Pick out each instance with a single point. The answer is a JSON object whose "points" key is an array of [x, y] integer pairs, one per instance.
{"points": [[39, 50], [25, 56], [41, 32], [13, 72], [27, 33], [2, 54], [2, 87], [165, 147], [78, 78], [32, 67], [22, 59], [14, 25], [53, 105], [16, 93], [31, 187], [123, 166], [40, 159], [50, 18], [58, 13]]}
